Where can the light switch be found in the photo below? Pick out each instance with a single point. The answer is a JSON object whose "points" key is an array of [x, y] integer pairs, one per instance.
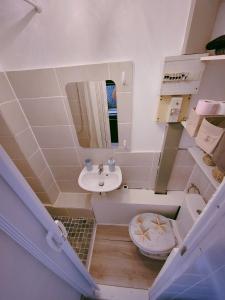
{"points": [[174, 109]]}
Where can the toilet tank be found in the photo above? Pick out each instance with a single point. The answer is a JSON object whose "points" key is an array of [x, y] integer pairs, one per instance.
{"points": [[190, 210]]}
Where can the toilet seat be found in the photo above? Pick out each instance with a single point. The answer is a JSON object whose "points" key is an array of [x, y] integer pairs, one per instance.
{"points": [[153, 234]]}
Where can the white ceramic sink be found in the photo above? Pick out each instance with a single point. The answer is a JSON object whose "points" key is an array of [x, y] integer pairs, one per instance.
{"points": [[107, 181]]}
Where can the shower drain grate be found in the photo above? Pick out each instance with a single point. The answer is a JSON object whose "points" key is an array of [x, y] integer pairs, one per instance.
{"points": [[80, 232]]}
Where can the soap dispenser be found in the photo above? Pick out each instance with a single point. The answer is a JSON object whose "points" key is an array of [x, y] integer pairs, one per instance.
{"points": [[111, 164]]}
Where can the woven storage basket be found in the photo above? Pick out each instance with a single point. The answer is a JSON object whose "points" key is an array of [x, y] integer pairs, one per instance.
{"points": [[193, 123], [210, 133]]}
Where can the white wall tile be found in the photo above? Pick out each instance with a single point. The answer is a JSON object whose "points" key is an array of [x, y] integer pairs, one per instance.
{"points": [[136, 184], [81, 73], [186, 140], [11, 147], [71, 200], [45, 111], [56, 211], [24, 167], [37, 163], [53, 193], [156, 158], [137, 174], [66, 172], [43, 197], [35, 184], [61, 156], [151, 181], [70, 186], [179, 177], [68, 110], [53, 136], [97, 155], [6, 93], [34, 83], [181, 171], [134, 158], [79, 212], [46, 178], [183, 158], [27, 143], [4, 129], [13, 117]]}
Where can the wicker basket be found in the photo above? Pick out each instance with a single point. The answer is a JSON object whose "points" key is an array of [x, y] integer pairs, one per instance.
{"points": [[217, 174], [193, 123], [210, 133]]}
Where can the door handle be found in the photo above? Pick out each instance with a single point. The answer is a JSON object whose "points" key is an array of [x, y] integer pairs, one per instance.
{"points": [[56, 239]]}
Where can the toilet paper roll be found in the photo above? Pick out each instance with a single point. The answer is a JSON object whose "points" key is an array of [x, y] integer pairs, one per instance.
{"points": [[207, 107], [221, 109]]}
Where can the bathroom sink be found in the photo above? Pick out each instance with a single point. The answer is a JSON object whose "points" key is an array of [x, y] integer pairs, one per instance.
{"points": [[107, 181]]}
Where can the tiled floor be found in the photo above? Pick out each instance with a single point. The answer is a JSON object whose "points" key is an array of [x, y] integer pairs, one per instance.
{"points": [[79, 234]]}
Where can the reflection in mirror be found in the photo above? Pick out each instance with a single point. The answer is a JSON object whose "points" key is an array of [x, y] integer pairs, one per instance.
{"points": [[93, 106]]}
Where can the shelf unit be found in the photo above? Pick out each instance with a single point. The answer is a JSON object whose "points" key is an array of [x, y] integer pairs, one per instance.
{"points": [[213, 58], [197, 155]]}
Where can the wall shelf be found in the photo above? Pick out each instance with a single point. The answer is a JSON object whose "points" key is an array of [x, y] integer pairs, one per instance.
{"points": [[197, 155], [213, 58]]}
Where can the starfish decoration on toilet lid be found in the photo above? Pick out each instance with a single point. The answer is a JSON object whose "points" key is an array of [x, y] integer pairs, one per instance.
{"points": [[161, 226], [143, 233], [139, 220]]}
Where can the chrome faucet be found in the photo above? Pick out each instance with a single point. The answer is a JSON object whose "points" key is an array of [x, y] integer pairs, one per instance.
{"points": [[100, 168]]}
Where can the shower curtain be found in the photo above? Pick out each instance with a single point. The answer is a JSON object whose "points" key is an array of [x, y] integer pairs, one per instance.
{"points": [[93, 94]]}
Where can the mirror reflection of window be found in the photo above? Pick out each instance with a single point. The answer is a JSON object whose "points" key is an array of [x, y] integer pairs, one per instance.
{"points": [[93, 107], [112, 111]]}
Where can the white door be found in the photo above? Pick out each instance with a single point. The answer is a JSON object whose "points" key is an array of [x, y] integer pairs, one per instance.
{"points": [[196, 270], [25, 220]]}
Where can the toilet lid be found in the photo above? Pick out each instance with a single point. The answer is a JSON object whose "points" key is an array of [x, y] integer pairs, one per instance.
{"points": [[152, 232]]}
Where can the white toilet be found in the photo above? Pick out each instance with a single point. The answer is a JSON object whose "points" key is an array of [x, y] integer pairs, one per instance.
{"points": [[156, 235]]}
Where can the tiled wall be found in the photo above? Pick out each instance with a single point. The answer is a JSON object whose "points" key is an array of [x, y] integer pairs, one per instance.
{"points": [[42, 101], [181, 172], [42, 96], [139, 169], [18, 140]]}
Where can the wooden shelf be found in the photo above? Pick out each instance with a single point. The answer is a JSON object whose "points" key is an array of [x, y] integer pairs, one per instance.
{"points": [[197, 154], [213, 57]]}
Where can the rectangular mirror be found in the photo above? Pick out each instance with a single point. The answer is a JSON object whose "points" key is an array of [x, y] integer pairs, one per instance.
{"points": [[93, 106]]}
